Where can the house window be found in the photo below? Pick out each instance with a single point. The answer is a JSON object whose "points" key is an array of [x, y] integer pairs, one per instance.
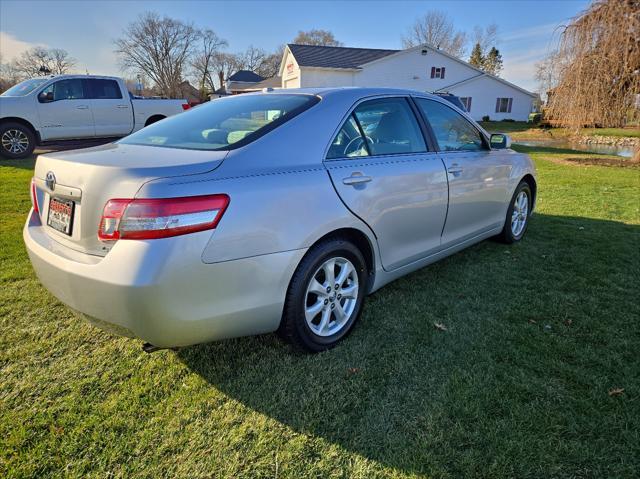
{"points": [[466, 101], [503, 105], [437, 72]]}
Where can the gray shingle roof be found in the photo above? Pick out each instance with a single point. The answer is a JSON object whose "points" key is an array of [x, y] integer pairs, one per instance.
{"points": [[335, 57], [245, 76]]}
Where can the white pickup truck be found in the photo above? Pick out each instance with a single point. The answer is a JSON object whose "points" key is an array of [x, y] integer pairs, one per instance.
{"points": [[70, 107]]}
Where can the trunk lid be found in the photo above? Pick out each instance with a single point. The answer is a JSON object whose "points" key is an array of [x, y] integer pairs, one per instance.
{"points": [[84, 180]]}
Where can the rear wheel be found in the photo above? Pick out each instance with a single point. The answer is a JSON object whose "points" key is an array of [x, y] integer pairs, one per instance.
{"points": [[16, 140], [325, 296], [518, 214]]}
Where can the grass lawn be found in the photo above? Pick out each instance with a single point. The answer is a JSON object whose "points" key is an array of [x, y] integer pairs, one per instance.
{"points": [[521, 130], [539, 336]]}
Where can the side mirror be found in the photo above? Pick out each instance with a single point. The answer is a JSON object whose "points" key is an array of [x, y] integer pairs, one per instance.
{"points": [[500, 141], [45, 97]]}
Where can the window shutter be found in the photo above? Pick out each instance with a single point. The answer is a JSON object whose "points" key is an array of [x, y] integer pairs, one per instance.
{"points": [[442, 74], [509, 106], [433, 72], [469, 104], [497, 105]]}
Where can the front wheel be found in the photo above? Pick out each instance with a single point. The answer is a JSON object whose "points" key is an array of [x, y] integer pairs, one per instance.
{"points": [[16, 140], [325, 296], [518, 214]]}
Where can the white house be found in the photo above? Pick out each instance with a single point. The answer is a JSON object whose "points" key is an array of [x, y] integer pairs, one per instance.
{"points": [[423, 68]]}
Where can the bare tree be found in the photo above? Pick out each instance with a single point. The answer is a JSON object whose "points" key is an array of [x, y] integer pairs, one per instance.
{"points": [[33, 61], [270, 66], [8, 75], [60, 61], [436, 29], [600, 77], [317, 37], [159, 47], [203, 60], [486, 37], [224, 65], [260, 62], [548, 72], [252, 58]]}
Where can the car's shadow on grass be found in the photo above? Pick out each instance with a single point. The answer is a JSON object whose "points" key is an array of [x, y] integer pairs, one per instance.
{"points": [[508, 381]]}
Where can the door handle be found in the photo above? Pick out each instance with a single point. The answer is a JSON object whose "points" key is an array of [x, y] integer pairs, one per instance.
{"points": [[123, 106], [455, 170], [356, 178], [82, 107]]}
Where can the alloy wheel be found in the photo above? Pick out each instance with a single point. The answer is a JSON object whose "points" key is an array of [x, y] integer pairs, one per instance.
{"points": [[520, 213], [15, 141], [331, 297]]}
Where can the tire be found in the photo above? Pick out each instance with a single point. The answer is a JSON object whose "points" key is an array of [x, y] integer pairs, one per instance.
{"points": [[301, 325], [518, 214], [16, 140]]}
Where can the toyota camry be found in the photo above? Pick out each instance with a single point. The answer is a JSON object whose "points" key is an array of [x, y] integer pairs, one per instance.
{"points": [[275, 211]]}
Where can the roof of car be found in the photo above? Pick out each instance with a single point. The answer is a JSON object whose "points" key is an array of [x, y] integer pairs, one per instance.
{"points": [[335, 57], [356, 92], [74, 75]]}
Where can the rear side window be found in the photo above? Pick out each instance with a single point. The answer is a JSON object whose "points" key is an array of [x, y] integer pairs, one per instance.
{"points": [[104, 90], [452, 130], [349, 142], [225, 123]]}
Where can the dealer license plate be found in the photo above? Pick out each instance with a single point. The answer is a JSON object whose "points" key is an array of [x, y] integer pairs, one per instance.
{"points": [[61, 215]]}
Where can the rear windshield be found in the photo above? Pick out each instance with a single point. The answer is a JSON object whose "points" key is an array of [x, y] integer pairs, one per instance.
{"points": [[223, 124], [25, 87]]}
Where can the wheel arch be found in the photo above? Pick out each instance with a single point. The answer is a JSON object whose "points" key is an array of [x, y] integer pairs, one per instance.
{"points": [[22, 121], [153, 119], [362, 242], [531, 181]]}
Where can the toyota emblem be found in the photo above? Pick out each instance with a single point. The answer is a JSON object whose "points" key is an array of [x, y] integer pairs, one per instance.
{"points": [[51, 180]]}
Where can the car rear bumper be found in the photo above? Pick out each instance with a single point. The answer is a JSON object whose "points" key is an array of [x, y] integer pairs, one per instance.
{"points": [[161, 291]]}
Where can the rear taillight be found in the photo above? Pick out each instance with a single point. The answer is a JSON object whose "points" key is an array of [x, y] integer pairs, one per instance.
{"points": [[160, 218], [34, 196], [186, 106]]}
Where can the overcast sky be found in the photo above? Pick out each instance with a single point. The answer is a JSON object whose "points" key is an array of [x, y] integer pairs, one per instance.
{"points": [[86, 29]]}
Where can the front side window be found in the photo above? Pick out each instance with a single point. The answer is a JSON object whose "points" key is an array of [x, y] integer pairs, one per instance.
{"points": [[25, 87], [104, 90], [63, 90], [223, 124], [390, 127], [503, 105], [453, 131]]}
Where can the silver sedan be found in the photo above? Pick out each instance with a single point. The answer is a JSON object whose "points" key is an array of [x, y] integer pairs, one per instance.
{"points": [[276, 211]]}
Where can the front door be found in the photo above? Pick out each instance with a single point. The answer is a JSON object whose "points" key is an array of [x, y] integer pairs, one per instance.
{"points": [[478, 176], [64, 111], [112, 114], [383, 172]]}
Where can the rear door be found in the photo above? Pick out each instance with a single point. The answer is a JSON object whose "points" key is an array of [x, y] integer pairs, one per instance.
{"points": [[383, 171], [478, 176], [64, 111], [112, 111]]}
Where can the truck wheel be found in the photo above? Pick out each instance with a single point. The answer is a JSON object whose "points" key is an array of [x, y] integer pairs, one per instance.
{"points": [[16, 140]]}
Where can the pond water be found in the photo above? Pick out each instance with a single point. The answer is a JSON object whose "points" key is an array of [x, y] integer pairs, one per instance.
{"points": [[623, 151]]}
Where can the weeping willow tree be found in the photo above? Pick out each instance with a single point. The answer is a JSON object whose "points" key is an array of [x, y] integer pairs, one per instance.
{"points": [[599, 77]]}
